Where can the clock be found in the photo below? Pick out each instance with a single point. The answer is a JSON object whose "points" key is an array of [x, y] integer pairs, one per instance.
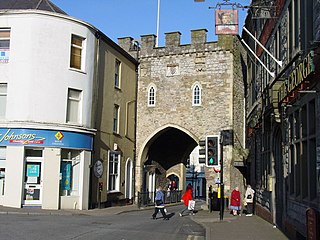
{"points": [[98, 169]]}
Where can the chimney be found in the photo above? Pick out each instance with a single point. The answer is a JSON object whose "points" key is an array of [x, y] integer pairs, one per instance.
{"points": [[125, 43], [198, 36], [173, 39]]}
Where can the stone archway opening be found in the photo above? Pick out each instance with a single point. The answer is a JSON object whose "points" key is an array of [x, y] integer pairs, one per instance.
{"points": [[168, 150]]}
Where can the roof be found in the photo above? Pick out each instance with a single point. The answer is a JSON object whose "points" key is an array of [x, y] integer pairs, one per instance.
{"points": [[44, 5]]}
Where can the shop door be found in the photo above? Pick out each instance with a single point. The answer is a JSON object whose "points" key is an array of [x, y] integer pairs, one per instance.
{"points": [[33, 182]]}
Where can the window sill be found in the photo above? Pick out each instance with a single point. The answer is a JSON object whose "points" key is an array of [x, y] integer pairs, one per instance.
{"points": [[113, 191], [77, 70]]}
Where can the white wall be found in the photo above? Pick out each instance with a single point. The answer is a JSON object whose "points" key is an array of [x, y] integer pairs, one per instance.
{"points": [[13, 192], [38, 73], [51, 178]]}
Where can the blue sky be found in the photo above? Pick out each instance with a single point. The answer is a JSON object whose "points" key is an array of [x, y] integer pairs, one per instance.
{"points": [[123, 18]]}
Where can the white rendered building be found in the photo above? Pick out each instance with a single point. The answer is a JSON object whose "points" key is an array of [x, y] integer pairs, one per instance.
{"points": [[47, 93]]}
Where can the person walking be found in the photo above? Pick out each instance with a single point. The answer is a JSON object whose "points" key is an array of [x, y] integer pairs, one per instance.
{"points": [[159, 204], [249, 200], [186, 197], [235, 204]]}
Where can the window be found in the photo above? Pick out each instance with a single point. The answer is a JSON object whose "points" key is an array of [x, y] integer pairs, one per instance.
{"points": [[152, 96], [3, 100], [4, 45], [70, 172], [116, 119], [196, 95], [73, 106], [114, 178], [302, 158], [117, 73], [2, 169], [77, 45]]}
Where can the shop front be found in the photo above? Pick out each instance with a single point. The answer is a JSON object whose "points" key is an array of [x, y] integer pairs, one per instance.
{"points": [[48, 169]]}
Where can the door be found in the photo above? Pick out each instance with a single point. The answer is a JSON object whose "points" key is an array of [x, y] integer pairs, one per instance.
{"points": [[33, 181]]}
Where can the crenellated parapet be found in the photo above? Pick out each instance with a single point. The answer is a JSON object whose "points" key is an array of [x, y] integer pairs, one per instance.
{"points": [[173, 46]]}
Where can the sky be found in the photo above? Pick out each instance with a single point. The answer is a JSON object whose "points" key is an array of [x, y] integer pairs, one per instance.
{"points": [[133, 18]]}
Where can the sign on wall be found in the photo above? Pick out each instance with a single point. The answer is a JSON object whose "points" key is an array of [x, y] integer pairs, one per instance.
{"points": [[45, 138]]}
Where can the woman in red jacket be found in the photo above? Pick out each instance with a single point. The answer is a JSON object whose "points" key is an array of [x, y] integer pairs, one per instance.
{"points": [[235, 203], [186, 197]]}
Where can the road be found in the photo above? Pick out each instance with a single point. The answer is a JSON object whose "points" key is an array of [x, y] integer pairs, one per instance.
{"points": [[135, 225]]}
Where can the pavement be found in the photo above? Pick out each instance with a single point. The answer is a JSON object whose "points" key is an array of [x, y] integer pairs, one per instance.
{"points": [[231, 227]]}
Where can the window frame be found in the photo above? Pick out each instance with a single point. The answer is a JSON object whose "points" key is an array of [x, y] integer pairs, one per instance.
{"points": [[71, 99], [152, 90], [5, 95], [4, 51], [81, 56], [196, 94], [114, 163], [116, 117], [117, 73]]}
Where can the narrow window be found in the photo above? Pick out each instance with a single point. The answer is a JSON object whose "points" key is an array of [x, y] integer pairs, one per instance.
{"points": [[152, 96], [114, 158], [116, 119], [4, 45], [76, 52], [196, 95], [3, 100], [117, 74], [73, 106]]}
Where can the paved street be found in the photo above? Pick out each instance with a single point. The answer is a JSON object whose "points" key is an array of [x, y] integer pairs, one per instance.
{"points": [[130, 223]]}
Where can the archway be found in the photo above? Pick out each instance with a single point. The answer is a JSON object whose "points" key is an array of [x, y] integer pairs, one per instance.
{"points": [[167, 148]]}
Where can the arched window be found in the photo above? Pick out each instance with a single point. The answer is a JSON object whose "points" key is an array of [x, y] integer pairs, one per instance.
{"points": [[196, 95], [151, 96]]}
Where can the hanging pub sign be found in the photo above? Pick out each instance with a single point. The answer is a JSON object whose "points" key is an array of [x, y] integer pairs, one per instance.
{"points": [[226, 21]]}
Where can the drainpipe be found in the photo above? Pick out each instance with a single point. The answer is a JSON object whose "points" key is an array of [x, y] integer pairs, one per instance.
{"points": [[135, 130], [94, 109]]}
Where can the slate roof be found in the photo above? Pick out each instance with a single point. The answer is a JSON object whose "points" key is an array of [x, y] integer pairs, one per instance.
{"points": [[44, 5]]}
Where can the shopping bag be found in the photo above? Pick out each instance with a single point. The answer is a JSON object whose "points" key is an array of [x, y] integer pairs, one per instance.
{"points": [[191, 204]]}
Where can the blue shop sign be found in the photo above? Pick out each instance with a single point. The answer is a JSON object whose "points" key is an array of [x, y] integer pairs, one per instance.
{"points": [[45, 138]]}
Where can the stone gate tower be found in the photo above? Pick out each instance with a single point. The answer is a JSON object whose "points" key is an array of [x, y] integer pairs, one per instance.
{"points": [[185, 93]]}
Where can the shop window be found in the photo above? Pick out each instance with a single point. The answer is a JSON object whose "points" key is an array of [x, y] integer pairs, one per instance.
{"points": [[73, 106], [114, 178], [4, 45], [2, 170], [3, 100], [77, 50], [70, 173]]}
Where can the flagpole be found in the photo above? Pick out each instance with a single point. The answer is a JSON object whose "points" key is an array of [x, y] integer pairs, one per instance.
{"points": [[158, 23]]}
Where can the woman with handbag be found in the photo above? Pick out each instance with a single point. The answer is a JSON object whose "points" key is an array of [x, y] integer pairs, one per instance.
{"points": [[249, 200], [186, 198], [159, 204]]}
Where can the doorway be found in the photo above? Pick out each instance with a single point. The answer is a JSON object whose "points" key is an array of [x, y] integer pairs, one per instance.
{"points": [[33, 176]]}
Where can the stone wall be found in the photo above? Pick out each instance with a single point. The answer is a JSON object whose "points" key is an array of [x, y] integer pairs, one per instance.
{"points": [[173, 70]]}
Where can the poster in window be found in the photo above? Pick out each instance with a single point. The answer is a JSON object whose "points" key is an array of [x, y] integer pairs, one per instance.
{"points": [[66, 176], [226, 22], [4, 55]]}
